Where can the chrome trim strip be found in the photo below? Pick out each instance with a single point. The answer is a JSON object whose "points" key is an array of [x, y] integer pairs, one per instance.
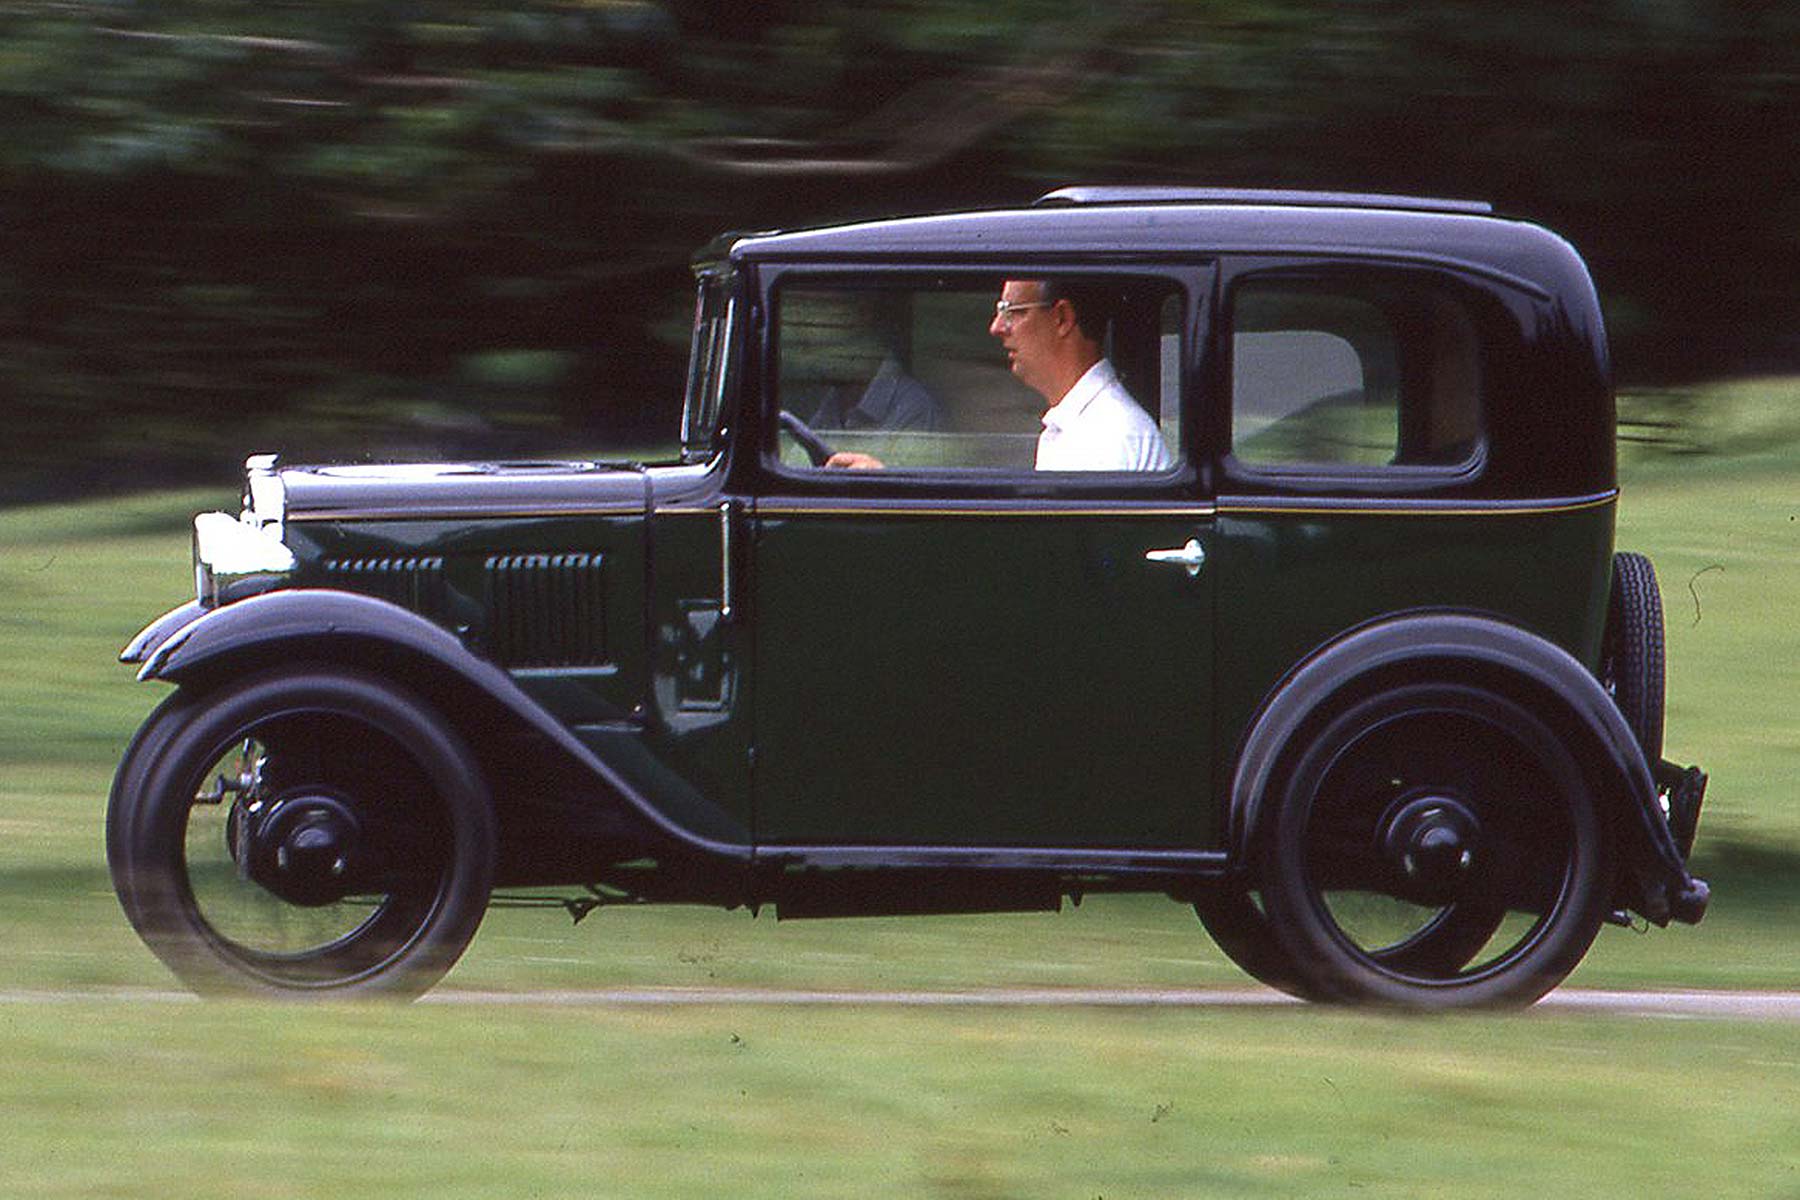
{"points": [[1228, 506], [1411, 507], [976, 509], [422, 512]]}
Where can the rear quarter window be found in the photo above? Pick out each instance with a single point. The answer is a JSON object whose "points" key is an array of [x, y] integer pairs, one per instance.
{"points": [[1352, 375]]}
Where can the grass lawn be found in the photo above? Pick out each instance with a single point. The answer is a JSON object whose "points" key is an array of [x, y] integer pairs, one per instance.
{"points": [[232, 1100]]}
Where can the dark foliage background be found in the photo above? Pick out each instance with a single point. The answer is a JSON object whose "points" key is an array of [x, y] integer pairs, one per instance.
{"points": [[392, 227]]}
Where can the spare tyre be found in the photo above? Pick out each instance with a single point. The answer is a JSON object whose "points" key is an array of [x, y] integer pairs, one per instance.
{"points": [[1631, 654]]}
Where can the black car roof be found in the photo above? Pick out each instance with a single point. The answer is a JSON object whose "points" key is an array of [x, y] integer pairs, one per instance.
{"points": [[1551, 413], [1126, 222]]}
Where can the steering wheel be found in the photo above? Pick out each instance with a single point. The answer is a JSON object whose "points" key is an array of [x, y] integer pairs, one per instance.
{"points": [[815, 446]]}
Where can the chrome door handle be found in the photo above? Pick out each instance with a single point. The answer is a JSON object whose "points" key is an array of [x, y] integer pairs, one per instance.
{"points": [[1191, 556]]}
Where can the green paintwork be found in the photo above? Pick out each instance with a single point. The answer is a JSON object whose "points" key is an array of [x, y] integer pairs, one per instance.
{"points": [[988, 676], [697, 719], [602, 690], [1022, 678], [1288, 583], [666, 705], [940, 677]]}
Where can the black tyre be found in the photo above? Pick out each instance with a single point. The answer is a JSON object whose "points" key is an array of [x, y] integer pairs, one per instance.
{"points": [[1631, 656], [140, 756], [1238, 926], [1434, 846], [308, 830]]}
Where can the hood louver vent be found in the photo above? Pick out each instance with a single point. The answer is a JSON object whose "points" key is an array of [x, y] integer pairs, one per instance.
{"points": [[546, 610], [413, 582]]}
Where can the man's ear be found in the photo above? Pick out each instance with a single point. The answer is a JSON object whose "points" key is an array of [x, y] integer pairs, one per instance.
{"points": [[1064, 315]]}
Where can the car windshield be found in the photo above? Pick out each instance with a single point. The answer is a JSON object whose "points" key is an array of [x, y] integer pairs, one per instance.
{"points": [[707, 362]]}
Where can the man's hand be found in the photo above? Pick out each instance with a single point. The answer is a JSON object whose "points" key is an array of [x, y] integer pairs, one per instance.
{"points": [[855, 460]]}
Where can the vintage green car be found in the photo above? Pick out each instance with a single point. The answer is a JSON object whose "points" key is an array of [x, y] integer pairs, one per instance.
{"points": [[1252, 548]]}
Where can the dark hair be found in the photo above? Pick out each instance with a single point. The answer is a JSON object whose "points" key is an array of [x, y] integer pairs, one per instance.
{"points": [[1092, 301]]}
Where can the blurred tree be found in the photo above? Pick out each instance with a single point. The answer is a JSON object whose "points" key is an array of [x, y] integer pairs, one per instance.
{"points": [[317, 226]]}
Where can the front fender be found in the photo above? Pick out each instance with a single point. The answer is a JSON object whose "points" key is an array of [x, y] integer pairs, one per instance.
{"points": [[1451, 646], [191, 640], [153, 635], [188, 646]]}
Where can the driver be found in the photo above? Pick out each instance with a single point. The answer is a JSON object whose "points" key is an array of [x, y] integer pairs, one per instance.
{"points": [[1052, 331]]}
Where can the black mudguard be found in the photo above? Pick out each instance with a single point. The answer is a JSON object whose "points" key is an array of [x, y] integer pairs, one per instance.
{"points": [[1452, 646], [192, 644]]}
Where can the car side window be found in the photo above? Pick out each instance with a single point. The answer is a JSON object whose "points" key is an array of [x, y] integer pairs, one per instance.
{"points": [[1352, 375], [914, 373]]}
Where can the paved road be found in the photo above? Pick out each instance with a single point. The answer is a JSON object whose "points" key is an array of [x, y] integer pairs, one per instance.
{"points": [[1761, 1006], [1776, 1006]]}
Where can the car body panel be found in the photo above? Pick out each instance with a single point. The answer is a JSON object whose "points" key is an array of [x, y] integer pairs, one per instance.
{"points": [[909, 699], [1293, 579]]}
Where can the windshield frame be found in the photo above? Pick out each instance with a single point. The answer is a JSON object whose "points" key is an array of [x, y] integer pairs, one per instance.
{"points": [[711, 354]]}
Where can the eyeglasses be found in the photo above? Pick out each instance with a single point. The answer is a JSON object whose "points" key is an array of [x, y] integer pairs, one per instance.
{"points": [[1004, 309]]}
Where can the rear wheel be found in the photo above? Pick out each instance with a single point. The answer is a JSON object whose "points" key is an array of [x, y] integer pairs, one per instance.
{"points": [[1434, 846], [1238, 926], [312, 830]]}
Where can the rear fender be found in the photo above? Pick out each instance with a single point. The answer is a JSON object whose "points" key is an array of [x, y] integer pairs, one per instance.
{"points": [[1456, 647], [296, 625]]}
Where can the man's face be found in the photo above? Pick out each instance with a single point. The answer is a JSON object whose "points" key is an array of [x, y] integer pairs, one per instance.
{"points": [[1027, 333]]}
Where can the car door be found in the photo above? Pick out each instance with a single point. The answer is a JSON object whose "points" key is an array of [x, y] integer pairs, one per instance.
{"points": [[952, 648]]}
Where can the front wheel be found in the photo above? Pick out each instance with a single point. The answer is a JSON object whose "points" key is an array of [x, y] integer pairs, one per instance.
{"points": [[1434, 846], [308, 830]]}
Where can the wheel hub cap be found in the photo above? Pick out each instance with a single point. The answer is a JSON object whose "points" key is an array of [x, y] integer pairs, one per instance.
{"points": [[301, 847], [1432, 840]]}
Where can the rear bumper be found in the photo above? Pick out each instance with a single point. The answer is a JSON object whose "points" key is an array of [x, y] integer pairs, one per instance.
{"points": [[1681, 791]]}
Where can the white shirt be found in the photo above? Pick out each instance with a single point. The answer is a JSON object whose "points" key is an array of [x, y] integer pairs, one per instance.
{"points": [[1097, 426]]}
